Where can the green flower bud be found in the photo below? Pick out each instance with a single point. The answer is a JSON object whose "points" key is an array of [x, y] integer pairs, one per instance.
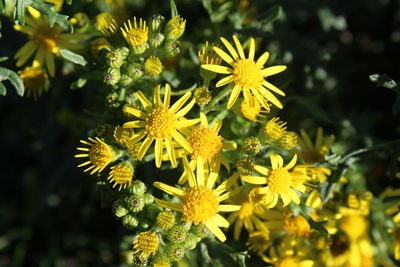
{"points": [[171, 48], [125, 80], [177, 234], [145, 223], [175, 252], [134, 70], [175, 27], [112, 76], [156, 39], [135, 204], [119, 208], [137, 188], [117, 57], [148, 199], [202, 95], [156, 21], [191, 241], [139, 49], [245, 165], [251, 145], [200, 231], [130, 221]]}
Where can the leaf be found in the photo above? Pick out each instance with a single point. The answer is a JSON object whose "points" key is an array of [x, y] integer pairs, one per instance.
{"points": [[78, 83], [3, 90], [73, 57], [69, 2], [44, 8], [6, 74], [174, 10], [385, 81], [3, 59], [273, 14]]}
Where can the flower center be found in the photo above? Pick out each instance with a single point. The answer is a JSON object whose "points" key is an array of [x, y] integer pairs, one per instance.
{"points": [[279, 180], [136, 36], [33, 78], [200, 204], [287, 262], [122, 173], [297, 226], [247, 74], [246, 210], [160, 123], [100, 154], [46, 38], [205, 143], [147, 243]]}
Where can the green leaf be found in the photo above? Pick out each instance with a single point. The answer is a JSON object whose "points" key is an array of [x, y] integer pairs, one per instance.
{"points": [[3, 90], [174, 10], [273, 14], [2, 6], [72, 57], [3, 59], [69, 2], [6, 74], [78, 83], [44, 8], [385, 81]]}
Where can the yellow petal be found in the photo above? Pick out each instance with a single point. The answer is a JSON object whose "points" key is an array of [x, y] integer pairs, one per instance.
{"points": [[158, 149], [252, 49], [181, 101], [215, 230], [276, 161], [170, 189], [224, 55], [169, 205], [189, 171], [273, 88], [144, 147], [186, 109], [234, 95], [217, 68], [186, 123], [273, 70], [261, 170], [254, 179], [145, 102], [239, 47], [135, 112], [292, 163], [171, 152], [261, 60], [182, 141], [157, 96], [135, 124], [225, 80], [229, 208], [167, 95], [230, 48]]}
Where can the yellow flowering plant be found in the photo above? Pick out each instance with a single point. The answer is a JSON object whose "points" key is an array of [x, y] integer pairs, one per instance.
{"points": [[196, 133]]}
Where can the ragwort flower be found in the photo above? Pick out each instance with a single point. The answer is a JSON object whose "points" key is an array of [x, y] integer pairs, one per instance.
{"points": [[161, 123], [246, 74]]}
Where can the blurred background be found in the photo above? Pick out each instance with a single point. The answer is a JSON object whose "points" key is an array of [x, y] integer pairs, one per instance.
{"points": [[51, 214]]}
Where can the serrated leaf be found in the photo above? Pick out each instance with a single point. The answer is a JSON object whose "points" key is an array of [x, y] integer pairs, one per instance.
{"points": [[174, 10], [73, 57], [6, 74]]}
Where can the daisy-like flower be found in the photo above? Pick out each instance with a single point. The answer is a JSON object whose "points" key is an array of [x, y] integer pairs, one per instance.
{"points": [[146, 243], [206, 147], [246, 74], [137, 35], [279, 181], [312, 153], [46, 41], [100, 155], [160, 123], [200, 203], [121, 174], [246, 216], [35, 81]]}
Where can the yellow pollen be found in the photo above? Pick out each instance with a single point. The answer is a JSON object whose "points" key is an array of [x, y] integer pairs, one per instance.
{"points": [[100, 154], [46, 38], [355, 226], [160, 123], [279, 180], [200, 204], [287, 262], [274, 128], [247, 74], [205, 143], [146, 242], [202, 95], [297, 226], [246, 210]]}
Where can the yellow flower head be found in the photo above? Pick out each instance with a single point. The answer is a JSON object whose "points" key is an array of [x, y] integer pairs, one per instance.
{"points": [[153, 66], [202, 95], [161, 123], [146, 243], [200, 203], [251, 110], [121, 174], [259, 241], [100, 154], [35, 81], [279, 181], [312, 153], [106, 23], [136, 35], [355, 226], [175, 27], [274, 128], [289, 140], [165, 219], [45, 41], [122, 135], [208, 56], [246, 74], [296, 226]]}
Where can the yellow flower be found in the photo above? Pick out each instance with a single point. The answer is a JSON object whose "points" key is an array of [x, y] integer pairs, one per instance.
{"points": [[165, 219], [312, 153], [200, 203], [205, 147], [208, 56], [121, 174], [259, 241], [45, 41], [246, 216], [246, 74], [35, 81], [100, 155], [355, 226], [202, 95], [153, 66], [279, 181], [289, 140], [161, 124], [251, 110], [175, 27], [274, 128], [146, 243], [122, 135], [137, 35], [107, 24]]}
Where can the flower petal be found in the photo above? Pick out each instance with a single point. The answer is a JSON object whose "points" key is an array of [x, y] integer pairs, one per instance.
{"points": [[230, 48], [217, 68], [234, 95], [273, 70], [239, 47]]}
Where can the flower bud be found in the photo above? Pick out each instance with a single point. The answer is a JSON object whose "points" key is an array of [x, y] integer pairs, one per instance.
{"points": [[134, 204], [245, 166], [134, 70], [130, 221], [119, 209], [137, 188], [112, 76], [153, 66], [156, 21], [191, 241], [201, 231], [251, 145], [202, 95], [171, 48], [165, 219], [177, 234], [175, 27], [148, 199], [156, 39], [125, 80], [175, 252], [117, 57], [289, 140]]}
